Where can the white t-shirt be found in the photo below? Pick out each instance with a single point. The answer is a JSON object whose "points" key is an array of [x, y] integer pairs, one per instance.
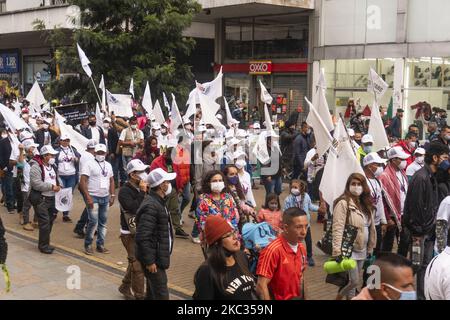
{"points": [[376, 192], [49, 177], [95, 134], [413, 168], [403, 189], [443, 214], [293, 247], [14, 157], [25, 187], [66, 162], [99, 174], [246, 182], [85, 158], [437, 277]]}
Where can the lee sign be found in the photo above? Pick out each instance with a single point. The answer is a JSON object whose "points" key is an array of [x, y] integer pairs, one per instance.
{"points": [[260, 67]]}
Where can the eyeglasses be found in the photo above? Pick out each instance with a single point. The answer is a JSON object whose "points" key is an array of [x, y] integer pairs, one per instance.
{"points": [[230, 234]]}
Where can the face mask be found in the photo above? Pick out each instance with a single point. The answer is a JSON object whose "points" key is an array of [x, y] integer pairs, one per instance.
{"points": [[241, 164], [234, 180], [295, 191], [444, 165], [163, 131], [404, 295], [378, 172], [106, 125], [4, 135], [134, 126], [169, 190], [100, 158], [273, 206], [92, 123], [45, 126], [217, 186], [420, 160], [447, 138], [356, 190], [157, 133], [51, 161], [367, 149], [412, 145], [35, 152], [402, 165]]}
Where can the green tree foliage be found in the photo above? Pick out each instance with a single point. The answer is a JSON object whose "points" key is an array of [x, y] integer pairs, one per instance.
{"points": [[126, 38]]}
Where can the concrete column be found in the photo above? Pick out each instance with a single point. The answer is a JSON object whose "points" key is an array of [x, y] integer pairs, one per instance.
{"points": [[402, 21]]}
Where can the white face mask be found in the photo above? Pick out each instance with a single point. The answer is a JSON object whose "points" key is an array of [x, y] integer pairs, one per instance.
{"points": [[217, 186], [134, 126], [51, 161], [163, 131], [356, 190], [169, 190], [402, 165], [420, 160], [157, 133], [295, 191], [378, 172], [100, 158]]}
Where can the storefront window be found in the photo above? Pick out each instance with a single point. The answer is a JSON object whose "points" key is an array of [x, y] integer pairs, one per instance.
{"points": [[353, 73], [237, 87], [419, 72], [238, 39], [329, 67], [386, 70]]}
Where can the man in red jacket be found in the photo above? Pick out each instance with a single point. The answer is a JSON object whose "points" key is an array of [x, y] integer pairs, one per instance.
{"points": [[168, 162], [409, 145]]}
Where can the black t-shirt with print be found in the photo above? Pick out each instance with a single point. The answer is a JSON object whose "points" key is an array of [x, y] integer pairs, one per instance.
{"points": [[238, 286]]}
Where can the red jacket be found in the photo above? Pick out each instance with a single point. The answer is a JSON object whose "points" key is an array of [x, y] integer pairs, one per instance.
{"points": [[406, 148], [180, 169]]}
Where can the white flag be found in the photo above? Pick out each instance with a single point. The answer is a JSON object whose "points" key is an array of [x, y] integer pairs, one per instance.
{"points": [[339, 167], [212, 89], [175, 116], [120, 104], [166, 102], [322, 104], [230, 119], [13, 121], [98, 116], [209, 110], [322, 83], [190, 110], [376, 129], [157, 112], [36, 97], [84, 61], [265, 95], [376, 84], [64, 200], [260, 150], [102, 87], [321, 133], [147, 102], [77, 140], [131, 89], [267, 119]]}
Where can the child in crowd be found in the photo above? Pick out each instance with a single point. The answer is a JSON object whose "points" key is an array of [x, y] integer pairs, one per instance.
{"points": [[299, 198], [271, 212]]}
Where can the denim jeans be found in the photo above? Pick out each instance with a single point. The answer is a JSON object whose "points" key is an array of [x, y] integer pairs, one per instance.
{"points": [[83, 221], [125, 160], [156, 284], [98, 217], [274, 186], [185, 197], [68, 182], [26, 207], [119, 172], [8, 190]]}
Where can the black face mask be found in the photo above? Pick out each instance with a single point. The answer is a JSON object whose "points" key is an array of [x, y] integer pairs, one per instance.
{"points": [[92, 123], [358, 141]]}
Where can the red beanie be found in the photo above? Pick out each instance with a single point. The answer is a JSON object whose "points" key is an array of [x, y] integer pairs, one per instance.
{"points": [[215, 228]]}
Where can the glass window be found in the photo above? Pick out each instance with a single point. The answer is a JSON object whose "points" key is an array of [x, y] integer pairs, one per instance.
{"points": [[353, 73], [329, 67], [386, 71], [2, 6], [419, 72], [238, 39], [237, 87], [281, 37], [446, 73]]}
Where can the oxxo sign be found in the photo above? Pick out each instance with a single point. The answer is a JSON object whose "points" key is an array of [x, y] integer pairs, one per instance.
{"points": [[260, 67]]}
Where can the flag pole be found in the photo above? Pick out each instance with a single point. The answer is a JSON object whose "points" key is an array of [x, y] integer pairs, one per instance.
{"points": [[348, 135], [95, 88]]}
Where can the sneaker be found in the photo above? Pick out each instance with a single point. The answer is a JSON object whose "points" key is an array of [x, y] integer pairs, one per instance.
{"points": [[102, 249], [88, 250], [67, 219], [195, 240], [311, 262], [47, 250], [126, 291], [28, 227], [181, 234]]}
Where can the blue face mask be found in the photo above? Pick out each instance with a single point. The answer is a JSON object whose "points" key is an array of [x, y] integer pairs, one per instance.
{"points": [[367, 149], [404, 295], [234, 180], [444, 165]]}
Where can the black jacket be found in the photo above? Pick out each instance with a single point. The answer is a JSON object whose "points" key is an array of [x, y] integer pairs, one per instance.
{"points": [[154, 235], [113, 140], [421, 203], [130, 199], [86, 132], [5, 153], [3, 244], [40, 137], [301, 146]]}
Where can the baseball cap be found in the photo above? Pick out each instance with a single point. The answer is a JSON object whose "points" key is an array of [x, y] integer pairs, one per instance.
{"points": [[156, 126], [100, 147], [397, 152], [64, 136], [91, 144], [201, 128], [25, 135], [48, 149], [351, 132], [136, 165], [158, 176], [29, 144], [367, 138], [420, 151], [48, 121], [373, 157], [238, 154], [256, 125], [107, 119]]}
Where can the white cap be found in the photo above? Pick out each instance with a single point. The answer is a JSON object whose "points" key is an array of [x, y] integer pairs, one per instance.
{"points": [[136, 165], [24, 135], [373, 157], [420, 151], [64, 136], [397, 152], [100, 147], [48, 149], [219, 116], [158, 176], [29, 144], [241, 133], [201, 128], [367, 138], [351, 132], [256, 125], [238, 154], [156, 126], [91, 144], [107, 119], [48, 121], [233, 141]]}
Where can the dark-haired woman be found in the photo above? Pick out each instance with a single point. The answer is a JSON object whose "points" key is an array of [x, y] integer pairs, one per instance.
{"points": [[149, 152], [215, 200], [225, 274], [355, 202]]}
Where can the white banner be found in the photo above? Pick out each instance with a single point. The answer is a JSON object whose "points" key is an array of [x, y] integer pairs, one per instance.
{"points": [[120, 104], [376, 84], [64, 200]]}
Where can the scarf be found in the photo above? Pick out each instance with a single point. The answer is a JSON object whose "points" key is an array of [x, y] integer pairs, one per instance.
{"points": [[391, 186]]}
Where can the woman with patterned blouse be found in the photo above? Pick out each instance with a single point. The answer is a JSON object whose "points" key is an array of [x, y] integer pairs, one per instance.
{"points": [[216, 200]]}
